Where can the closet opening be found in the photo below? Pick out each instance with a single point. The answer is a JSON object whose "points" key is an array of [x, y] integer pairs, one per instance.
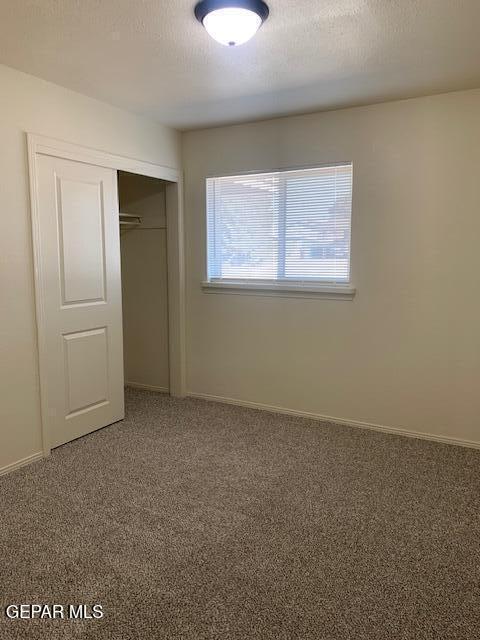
{"points": [[144, 272]]}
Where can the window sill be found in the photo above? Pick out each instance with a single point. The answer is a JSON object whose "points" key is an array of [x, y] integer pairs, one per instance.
{"points": [[282, 289]]}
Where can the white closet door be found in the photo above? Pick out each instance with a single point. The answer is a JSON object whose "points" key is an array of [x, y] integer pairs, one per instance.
{"points": [[82, 362]]}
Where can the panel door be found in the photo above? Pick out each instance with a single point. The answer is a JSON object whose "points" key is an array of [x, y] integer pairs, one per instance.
{"points": [[82, 361]]}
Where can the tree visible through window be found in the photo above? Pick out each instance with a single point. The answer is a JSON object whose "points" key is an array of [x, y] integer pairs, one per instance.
{"points": [[284, 225]]}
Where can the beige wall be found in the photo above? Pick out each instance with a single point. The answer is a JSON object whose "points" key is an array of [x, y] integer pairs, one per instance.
{"points": [[30, 104], [405, 352], [144, 282]]}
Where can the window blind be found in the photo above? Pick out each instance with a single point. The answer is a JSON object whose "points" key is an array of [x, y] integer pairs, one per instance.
{"points": [[283, 225]]}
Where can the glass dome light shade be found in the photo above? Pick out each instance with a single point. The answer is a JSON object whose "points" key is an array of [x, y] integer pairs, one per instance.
{"points": [[232, 26]]}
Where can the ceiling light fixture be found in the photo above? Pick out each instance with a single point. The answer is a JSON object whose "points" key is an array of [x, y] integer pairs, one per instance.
{"points": [[231, 22]]}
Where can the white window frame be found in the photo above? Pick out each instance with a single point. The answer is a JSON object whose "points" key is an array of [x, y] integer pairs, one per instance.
{"points": [[279, 287]]}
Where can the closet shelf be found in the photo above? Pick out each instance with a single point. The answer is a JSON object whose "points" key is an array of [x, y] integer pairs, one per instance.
{"points": [[133, 220]]}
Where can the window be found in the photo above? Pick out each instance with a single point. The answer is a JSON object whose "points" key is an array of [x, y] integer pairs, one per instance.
{"points": [[282, 227]]}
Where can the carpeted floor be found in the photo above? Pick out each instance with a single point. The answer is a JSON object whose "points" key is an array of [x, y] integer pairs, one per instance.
{"points": [[195, 520]]}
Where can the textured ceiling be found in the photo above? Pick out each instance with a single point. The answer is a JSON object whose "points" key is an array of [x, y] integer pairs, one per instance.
{"points": [[152, 57]]}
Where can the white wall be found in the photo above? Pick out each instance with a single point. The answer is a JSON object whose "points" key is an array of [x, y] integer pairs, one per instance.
{"points": [[144, 282], [30, 104], [405, 352]]}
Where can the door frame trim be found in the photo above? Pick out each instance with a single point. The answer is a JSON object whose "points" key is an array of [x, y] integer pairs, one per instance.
{"points": [[41, 145]]}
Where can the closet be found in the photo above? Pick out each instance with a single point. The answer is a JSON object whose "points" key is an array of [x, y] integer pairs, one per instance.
{"points": [[100, 227], [143, 247]]}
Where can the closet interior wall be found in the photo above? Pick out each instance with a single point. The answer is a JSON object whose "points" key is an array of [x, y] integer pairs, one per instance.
{"points": [[143, 245]]}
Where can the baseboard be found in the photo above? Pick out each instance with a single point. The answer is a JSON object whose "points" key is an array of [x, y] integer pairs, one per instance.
{"points": [[343, 421], [147, 387], [21, 463]]}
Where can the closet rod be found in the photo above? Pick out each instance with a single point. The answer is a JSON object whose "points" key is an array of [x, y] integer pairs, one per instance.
{"points": [[123, 223]]}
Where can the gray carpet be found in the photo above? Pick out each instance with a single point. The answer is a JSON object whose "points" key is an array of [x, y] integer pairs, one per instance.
{"points": [[197, 520]]}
